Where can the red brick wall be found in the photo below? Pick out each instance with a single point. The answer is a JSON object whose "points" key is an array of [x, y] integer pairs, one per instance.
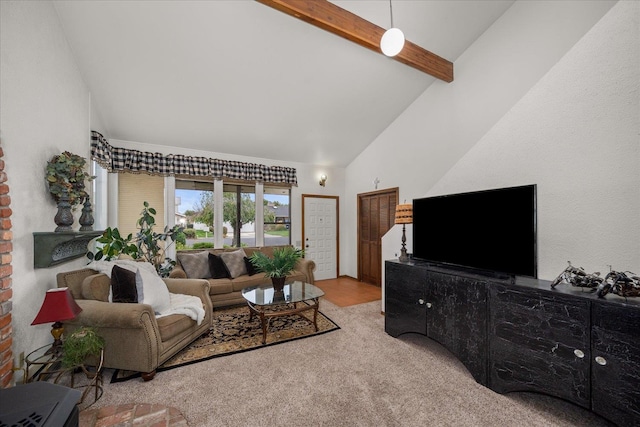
{"points": [[6, 245]]}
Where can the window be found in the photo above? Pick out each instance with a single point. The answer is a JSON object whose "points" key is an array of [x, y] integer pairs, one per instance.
{"points": [[277, 216], [195, 209], [197, 204], [100, 196], [131, 198], [239, 213]]}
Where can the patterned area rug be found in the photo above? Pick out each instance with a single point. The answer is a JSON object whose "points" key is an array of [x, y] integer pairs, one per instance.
{"points": [[232, 332]]}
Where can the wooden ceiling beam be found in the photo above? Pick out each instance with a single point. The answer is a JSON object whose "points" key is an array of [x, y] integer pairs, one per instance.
{"points": [[332, 18]]}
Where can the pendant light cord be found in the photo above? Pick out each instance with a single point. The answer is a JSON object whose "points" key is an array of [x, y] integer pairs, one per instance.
{"points": [[391, 13]]}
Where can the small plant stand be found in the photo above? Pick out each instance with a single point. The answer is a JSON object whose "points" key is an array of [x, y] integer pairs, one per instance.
{"points": [[44, 365]]}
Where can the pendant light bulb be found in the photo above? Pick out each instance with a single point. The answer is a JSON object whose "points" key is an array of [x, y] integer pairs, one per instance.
{"points": [[392, 42]]}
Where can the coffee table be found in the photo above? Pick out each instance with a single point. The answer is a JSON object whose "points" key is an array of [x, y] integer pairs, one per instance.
{"points": [[268, 303]]}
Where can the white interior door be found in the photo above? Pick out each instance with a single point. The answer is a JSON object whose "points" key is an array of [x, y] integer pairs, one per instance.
{"points": [[321, 235]]}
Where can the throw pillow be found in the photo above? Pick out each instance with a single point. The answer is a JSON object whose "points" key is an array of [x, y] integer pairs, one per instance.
{"points": [[251, 269], [123, 285], [97, 288], [234, 262], [134, 266], [155, 291], [196, 265], [217, 267]]}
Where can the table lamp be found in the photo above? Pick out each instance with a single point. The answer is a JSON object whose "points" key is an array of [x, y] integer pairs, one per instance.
{"points": [[404, 216], [58, 306]]}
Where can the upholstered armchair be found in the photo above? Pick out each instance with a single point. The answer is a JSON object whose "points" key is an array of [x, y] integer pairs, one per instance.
{"points": [[135, 339]]}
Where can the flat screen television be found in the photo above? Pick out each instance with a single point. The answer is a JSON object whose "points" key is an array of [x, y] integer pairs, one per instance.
{"points": [[493, 230]]}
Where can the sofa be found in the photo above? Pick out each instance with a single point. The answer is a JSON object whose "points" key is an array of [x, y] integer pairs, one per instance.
{"points": [[135, 339], [227, 291]]}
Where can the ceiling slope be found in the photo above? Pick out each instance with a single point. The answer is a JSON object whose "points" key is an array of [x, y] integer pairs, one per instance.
{"points": [[330, 17], [240, 78]]}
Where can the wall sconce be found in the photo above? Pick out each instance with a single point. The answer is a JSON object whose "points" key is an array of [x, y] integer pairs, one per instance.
{"points": [[323, 180]]}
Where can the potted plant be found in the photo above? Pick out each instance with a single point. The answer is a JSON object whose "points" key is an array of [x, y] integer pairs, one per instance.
{"points": [[66, 176], [279, 266], [66, 173], [145, 245], [81, 344]]}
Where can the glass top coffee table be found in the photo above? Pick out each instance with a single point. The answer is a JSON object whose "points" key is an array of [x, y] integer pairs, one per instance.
{"points": [[295, 298]]}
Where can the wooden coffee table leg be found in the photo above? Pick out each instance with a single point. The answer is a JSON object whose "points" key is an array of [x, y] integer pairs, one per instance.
{"points": [[315, 314], [266, 318], [263, 321]]}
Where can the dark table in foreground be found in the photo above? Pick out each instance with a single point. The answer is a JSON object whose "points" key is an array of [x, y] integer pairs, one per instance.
{"points": [[39, 403]]}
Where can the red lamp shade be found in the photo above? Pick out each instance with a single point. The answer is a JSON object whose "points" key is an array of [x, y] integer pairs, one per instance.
{"points": [[58, 305]]}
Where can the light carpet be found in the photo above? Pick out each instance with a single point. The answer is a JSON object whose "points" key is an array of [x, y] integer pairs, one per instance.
{"points": [[233, 332], [355, 376]]}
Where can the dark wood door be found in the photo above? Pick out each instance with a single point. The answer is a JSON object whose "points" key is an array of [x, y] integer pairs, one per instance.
{"points": [[376, 215]]}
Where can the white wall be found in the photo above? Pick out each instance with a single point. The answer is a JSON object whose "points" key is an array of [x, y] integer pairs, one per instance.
{"points": [[576, 135], [415, 151], [308, 177], [44, 110]]}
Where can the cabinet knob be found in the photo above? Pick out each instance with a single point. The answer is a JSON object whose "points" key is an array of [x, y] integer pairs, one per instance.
{"points": [[601, 360], [579, 353], [421, 301], [429, 305]]}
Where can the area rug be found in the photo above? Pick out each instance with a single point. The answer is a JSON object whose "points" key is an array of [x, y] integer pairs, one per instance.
{"points": [[232, 332]]}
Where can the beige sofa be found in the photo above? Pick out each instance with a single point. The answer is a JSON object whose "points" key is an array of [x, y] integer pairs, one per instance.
{"points": [[226, 291], [135, 339]]}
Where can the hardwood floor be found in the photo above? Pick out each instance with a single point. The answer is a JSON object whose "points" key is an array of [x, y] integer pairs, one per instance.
{"points": [[346, 291]]}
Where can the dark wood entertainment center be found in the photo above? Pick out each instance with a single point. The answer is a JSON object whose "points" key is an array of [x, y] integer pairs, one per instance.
{"points": [[518, 334]]}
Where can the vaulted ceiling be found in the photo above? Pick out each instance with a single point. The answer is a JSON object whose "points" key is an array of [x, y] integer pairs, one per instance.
{"points": [[239, 77]]}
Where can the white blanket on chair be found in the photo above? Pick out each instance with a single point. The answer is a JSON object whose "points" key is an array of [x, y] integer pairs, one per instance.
{"points": [[188, 305], [185, 304]]}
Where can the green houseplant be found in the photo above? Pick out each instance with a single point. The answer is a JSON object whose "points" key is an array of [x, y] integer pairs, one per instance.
{"points": [[66, 174], [145, 245], [81, 344], [279, 266]]}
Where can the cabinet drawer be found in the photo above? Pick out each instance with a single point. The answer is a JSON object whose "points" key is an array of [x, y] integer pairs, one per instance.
{"points": [[457, 319], [405, 310], [615, 382], [539, 343]]}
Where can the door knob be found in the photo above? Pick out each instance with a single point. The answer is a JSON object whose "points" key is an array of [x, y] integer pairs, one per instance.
{"points": [[429, 305], [579, 353], [420, 301], [306, 246], [601, 360]]}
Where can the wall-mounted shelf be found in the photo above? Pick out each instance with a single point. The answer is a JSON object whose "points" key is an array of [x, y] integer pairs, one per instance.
{"points": [[50, 248]]}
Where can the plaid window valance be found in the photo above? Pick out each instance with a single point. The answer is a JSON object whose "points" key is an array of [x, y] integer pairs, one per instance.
{"points": [[116, 159]]}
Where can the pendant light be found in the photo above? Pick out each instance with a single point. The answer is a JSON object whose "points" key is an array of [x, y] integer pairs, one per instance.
{"points": [[392, 40]]}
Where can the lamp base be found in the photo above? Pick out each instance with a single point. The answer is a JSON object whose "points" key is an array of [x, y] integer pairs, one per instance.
{"points": [[57, 330], [403, 252]]}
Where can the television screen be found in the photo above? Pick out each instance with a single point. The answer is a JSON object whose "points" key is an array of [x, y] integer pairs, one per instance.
{"points": [[492, 230]]}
